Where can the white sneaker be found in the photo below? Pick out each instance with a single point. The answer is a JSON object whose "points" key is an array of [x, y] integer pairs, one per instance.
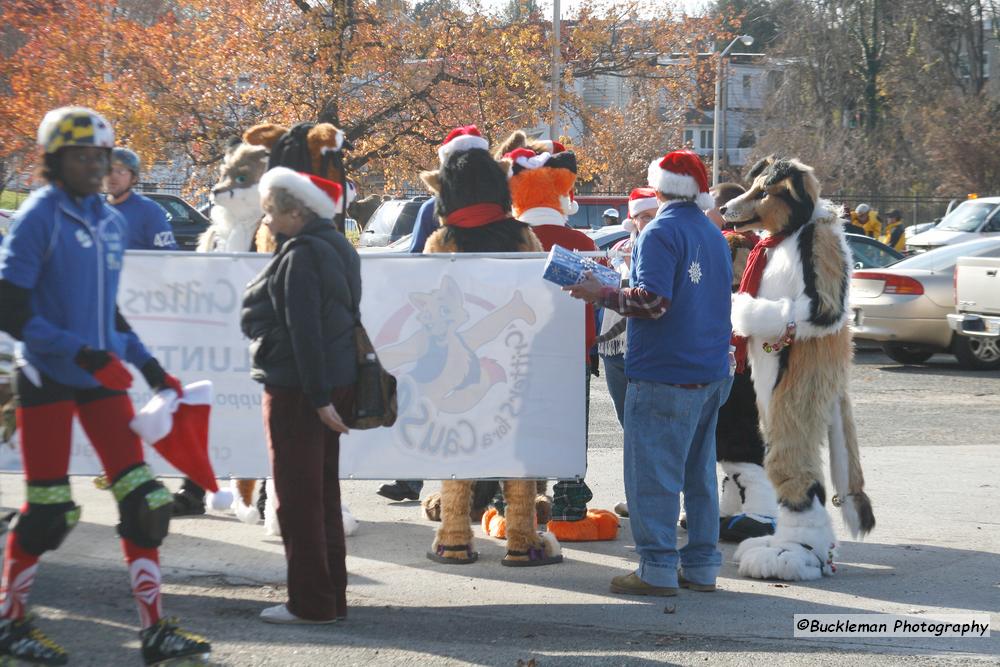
{"points": [[280, 614]]}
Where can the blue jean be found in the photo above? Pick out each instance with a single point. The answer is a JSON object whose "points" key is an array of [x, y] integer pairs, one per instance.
{"points": [[669, 448], [614, 375]]}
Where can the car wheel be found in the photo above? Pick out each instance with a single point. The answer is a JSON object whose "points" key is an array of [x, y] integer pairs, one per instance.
{"points": [[979, 354], [905, 353]]}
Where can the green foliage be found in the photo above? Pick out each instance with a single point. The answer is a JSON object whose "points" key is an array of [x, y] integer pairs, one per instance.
{"points": [[9, 199]]}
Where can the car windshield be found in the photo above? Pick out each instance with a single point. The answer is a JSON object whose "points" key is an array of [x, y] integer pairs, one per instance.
{"points": [[407, 217], [401, 242], [176, 213], [869, 254], [967, 217], [947, 256], [384, 218]]}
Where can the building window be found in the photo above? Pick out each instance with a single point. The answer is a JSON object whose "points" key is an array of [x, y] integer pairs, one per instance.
{"points": [[774, 80], [746, 83], [706, 139], [689, 137]]}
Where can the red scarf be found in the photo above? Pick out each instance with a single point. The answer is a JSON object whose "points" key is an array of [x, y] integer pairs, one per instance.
{"points": [[476, 215], [750, 284]]}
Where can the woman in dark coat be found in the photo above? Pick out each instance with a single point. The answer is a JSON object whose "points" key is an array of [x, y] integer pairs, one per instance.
{"points": [[299, 315]]}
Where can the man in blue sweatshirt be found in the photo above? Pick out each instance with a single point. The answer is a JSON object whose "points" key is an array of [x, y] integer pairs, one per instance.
{"points": [[147, 225]]}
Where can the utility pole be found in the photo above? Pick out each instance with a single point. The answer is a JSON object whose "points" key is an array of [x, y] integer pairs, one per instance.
{"points": [[747, 41], [554, 126]]}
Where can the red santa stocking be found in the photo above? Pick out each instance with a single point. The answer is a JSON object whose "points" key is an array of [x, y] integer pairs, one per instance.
{"points": [[144, 575]]}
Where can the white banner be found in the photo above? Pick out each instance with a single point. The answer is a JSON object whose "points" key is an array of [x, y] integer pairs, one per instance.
{"points": [[489, 359]]}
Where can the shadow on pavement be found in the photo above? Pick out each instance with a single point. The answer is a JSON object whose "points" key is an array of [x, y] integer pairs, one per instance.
{"points": [[90, 609]]}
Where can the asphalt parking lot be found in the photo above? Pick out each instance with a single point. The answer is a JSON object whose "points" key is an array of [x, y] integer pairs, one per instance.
{"points": [[930, 447]]}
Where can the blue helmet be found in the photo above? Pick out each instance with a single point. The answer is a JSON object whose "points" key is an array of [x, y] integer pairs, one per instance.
{"points": [[127, 157]]}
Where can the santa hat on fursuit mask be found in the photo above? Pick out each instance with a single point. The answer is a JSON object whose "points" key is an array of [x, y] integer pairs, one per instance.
{"points": [[462, 139], [522, 159], [681, 173], [548, 146], [319, 195]]}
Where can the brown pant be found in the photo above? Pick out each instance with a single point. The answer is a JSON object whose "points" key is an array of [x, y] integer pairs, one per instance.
{"points": [[305, 464]]}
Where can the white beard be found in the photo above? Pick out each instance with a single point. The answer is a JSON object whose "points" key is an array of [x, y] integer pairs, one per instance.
{"points": [[235, 217]]}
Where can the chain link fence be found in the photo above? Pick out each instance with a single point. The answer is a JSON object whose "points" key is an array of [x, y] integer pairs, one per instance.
{"points": [[915, 209]]}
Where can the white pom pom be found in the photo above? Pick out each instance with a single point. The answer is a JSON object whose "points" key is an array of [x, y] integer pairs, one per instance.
{"points": [[220, 501]]}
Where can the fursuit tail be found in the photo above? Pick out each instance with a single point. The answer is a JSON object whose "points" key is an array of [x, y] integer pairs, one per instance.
{"points": [[845, 470]]}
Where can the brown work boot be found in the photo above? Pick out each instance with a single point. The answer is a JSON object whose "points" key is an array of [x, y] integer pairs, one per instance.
{"points": [[690, 585], [631, 584]]}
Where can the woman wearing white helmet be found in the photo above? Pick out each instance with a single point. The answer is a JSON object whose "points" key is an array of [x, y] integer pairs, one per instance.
{"points": [[59, 272]]}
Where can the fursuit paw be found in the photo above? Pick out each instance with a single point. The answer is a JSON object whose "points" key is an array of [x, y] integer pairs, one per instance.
{"points": [[744, 526], [759, 317], [350, 523], [597, 526], [544, 550], [431, 504], [453, 554], [766, 558], [247, 514], [271, 526]]}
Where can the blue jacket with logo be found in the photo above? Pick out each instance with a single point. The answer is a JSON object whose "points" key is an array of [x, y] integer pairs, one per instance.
{"points": [[68, 252], [147, 227], [684, 258]]}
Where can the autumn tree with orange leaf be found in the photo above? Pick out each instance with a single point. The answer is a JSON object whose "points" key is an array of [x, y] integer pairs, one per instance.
{"points": [[178, 77]]}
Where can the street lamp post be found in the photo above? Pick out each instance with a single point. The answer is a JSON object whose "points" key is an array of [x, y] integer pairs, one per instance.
{"points": [[747, 41]]}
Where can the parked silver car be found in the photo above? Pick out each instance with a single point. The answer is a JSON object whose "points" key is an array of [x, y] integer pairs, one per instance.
{"points": [[905, 306]]}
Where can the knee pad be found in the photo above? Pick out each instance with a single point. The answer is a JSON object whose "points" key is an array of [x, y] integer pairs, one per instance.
{"points": [[47, 517], [144, 507]]}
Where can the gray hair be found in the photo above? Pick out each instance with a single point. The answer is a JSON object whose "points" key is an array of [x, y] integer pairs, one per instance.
{"points": [[285, 202]]}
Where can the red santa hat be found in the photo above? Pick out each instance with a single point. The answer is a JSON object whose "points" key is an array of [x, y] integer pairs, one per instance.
{"points": [[641, 199], [681, 173], [525, 158], [318, 194], [177, 428], [549, 146], [462, 139]]}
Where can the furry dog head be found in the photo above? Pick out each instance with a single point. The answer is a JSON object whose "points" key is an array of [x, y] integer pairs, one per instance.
{"points": [[313, 148], [305, 147], [236, 211], [782, 198], [239, 173]]}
